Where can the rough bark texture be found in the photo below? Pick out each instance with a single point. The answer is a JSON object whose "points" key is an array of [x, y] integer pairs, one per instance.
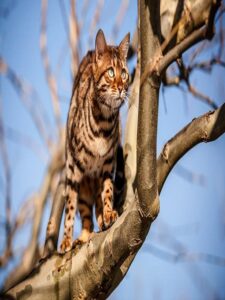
{"points": [[148, 112]]}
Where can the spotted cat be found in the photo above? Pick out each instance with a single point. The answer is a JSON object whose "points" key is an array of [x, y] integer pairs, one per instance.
{"points": [[93, 137]]}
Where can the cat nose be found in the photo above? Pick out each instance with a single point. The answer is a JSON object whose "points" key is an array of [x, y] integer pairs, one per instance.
{"points": [[120, 89]]}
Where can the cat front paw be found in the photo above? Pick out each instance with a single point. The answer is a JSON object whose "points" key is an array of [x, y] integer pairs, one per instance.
{"points": [[109, 217], [66, 245]]}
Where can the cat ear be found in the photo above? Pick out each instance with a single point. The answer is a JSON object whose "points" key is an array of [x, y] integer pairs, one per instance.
{"points": [[124, 45], [100, 44]]}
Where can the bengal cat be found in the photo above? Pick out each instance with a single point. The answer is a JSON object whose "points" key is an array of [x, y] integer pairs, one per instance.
{"points": [[93, 137]]}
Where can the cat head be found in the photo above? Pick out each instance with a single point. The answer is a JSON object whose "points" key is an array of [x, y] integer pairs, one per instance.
{"points": [[111, 72]]}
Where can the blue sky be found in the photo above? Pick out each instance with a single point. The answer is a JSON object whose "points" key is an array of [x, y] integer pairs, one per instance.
{"points": [[191, 218]]}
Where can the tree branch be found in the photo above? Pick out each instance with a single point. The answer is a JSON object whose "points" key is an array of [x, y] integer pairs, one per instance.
{"points": [[74, 38], [195, 37], [130, 141], [206, 128], [8, 191], [49, 76], [29, 96], [148, 112], [185, 256], [159, 64]]}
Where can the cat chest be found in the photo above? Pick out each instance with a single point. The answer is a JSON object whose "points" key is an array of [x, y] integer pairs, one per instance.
{"points": [[98, 152], [94, 164], [100, 146]]}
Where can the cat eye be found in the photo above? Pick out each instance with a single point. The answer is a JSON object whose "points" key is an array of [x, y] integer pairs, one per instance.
{"points": [[123, 75], [111, 72]]}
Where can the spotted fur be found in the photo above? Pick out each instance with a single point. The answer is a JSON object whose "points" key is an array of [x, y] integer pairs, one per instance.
{"points": [[93, 137]]}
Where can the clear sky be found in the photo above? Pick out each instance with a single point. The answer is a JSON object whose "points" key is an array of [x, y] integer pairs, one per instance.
{"points": [[175, 261]]}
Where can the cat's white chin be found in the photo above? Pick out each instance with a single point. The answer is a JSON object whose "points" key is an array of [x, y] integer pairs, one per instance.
{"points": [[112, 104]]}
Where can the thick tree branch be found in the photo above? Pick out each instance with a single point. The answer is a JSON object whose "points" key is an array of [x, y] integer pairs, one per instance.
{"points": [[148, 112], [206, 128]]}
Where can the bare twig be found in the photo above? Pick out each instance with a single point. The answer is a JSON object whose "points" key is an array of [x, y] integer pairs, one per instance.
{"points": [[207, 65], [158, 64], [173, 54], [196, 52], [119, 18], [72, 33], [74, 38], [83, 13], [22, 139], [206, 99], [95, 21], [185, 76], [49, 76], [165, 236], [31, 254], [7, 8], [5, 160], [30, 99], [185, 256], [24, 215], [189, 175]]}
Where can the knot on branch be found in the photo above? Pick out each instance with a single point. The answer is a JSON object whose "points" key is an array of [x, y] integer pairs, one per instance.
{"points": [[165, 153], [151, 211], [135, 244], [151, 72]]}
